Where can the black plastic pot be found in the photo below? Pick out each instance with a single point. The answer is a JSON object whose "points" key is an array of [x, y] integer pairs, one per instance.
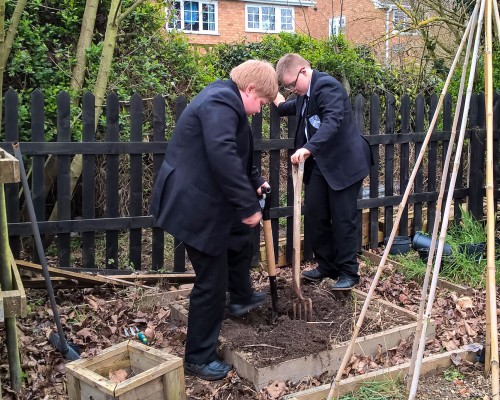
{"points": [[476, 251], [422, 241], [400, 245], [423, 254]]}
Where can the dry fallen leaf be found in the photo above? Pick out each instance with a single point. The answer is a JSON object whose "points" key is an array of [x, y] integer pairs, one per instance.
{"points": [[276, 389], [463, 303], [150, 333], [118, 376], [456, 359]]}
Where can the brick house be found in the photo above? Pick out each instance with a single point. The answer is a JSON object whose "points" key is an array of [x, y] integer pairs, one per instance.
{"points": [[364, 22]]}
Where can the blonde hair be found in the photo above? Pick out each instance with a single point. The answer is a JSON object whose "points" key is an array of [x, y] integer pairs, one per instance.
{"points": [[259, 73], [290, 62]]}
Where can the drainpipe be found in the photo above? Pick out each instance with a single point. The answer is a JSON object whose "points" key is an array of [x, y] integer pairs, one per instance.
{"points": [[387, 26]]}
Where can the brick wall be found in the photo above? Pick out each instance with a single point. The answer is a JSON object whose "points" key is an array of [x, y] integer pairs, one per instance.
{"points": [[365, 25]]}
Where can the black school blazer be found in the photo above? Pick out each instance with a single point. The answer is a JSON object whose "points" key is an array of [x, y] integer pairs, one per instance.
{"points": [[207, 178], [341, 153]]}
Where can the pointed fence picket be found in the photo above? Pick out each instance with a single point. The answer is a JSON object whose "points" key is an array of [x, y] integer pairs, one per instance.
{"points": [[394, 128]]}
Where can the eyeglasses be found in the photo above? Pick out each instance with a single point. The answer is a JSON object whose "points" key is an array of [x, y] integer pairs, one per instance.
{"points": [[291, 86]]}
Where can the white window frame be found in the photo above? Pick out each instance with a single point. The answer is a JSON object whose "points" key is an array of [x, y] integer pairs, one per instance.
{"points": [[403, 19], [337, 24], [278, 26], [214, 3]]}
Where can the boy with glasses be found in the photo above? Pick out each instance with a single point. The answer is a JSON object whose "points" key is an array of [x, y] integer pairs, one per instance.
{"points": [[337, 159]]}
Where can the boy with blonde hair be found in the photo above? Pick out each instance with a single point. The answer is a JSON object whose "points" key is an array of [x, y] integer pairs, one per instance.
{"points": [[206, 195]]}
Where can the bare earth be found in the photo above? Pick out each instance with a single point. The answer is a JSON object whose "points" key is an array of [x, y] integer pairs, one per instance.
{"points": [[99, 325]]}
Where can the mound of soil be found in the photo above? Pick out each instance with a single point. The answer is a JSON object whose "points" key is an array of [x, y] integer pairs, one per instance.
{"points": [[334, 315]]}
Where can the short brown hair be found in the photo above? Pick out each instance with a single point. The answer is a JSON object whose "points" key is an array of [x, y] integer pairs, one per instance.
{"points": [[290, 62], [261, 74]]}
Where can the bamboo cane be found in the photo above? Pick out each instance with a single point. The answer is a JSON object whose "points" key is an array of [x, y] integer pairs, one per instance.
{"points": [[395, 227], [423, 298], [490, 211], [487, 349], [449, 199], [497, 19], [6, 283]]}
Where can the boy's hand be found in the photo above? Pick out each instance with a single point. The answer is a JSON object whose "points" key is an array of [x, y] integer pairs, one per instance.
{"points": [[279, 99], [252, 220], [300, 155]]}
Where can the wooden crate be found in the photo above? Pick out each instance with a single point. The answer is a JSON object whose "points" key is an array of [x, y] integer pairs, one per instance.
{"points": [[154, 375]]}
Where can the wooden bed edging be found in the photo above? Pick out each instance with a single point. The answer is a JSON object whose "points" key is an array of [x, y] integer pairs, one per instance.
{"points": [[430, 365]]}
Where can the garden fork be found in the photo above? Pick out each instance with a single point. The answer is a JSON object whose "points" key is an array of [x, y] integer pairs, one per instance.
{"points": [[303, 308]]}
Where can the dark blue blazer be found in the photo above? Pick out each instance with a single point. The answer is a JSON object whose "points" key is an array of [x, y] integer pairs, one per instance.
{"points": [[341, 153], [207, 179]]}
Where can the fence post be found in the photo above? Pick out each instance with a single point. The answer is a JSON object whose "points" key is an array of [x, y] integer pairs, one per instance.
{"points": [[274, 172], [135, 238], [38, 162], [63, 179], [359, 118], [477, 152], [257, 161], [112, 178], [404, 165], [88, 179], [374, 130], [158, 241], [292, 127], [419, 177], [179, 248], [432, 166], [390, 102]]}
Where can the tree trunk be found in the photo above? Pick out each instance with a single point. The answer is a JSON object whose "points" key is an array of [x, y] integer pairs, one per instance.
{"points": [[115, 17], [84, 41], [6, 41], [12, 31]]}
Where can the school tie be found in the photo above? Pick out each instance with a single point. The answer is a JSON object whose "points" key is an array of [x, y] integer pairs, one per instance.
{"points": [[304, 114]]}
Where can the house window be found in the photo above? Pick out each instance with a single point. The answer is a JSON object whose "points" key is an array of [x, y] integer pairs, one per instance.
{"points": [[268, 19], [401, 21], [193, 16], [336, 26]]}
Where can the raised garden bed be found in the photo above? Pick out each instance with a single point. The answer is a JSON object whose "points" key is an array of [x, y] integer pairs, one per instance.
{"points": [[291, 349]]}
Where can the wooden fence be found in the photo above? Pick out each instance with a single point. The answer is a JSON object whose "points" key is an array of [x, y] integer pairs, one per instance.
{"points": [[395, 135]]}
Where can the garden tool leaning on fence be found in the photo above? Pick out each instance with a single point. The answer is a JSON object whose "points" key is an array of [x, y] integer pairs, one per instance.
{"points": [[265, 205], [302, 309], [58, 340]]}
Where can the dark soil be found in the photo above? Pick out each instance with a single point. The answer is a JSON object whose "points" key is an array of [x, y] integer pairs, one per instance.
{"points": [[334, 315]]}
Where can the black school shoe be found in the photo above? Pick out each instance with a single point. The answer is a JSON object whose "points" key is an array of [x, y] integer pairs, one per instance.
{"points": [[213, 371], [315, 275], [345, 283], [237, 310]]}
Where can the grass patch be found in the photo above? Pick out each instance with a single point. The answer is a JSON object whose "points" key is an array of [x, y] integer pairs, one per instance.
{"points": [[385, 390], [460, 267]]}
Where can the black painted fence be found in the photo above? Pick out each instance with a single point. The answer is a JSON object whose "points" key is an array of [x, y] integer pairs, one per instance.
{"points": [[395, 135]]}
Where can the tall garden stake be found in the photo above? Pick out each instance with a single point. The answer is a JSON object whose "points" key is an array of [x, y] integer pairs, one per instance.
{"points": [[491, 322], [444, 227], [395, 227], [442, 188], [58, 339]]}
